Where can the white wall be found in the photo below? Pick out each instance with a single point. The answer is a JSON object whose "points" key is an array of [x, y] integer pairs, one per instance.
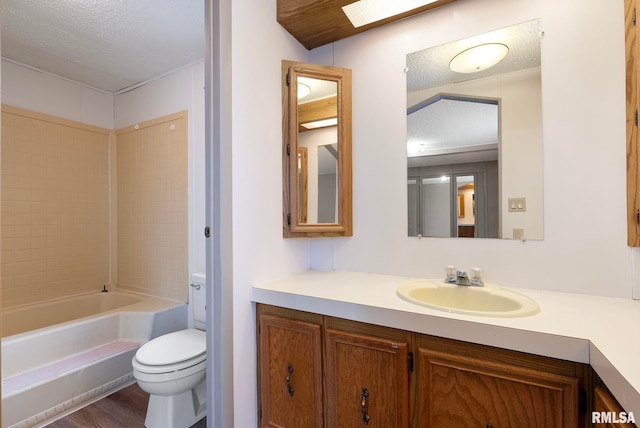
{"points": [[182, 90], [45, 93], [260, 254], [584, 248]]}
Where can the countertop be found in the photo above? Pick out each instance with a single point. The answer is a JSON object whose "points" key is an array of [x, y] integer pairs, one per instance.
{"points": [[601, 331]]}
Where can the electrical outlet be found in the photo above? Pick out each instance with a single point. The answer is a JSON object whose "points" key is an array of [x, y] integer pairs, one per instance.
{"points": [[517, 205], [518, 233]]}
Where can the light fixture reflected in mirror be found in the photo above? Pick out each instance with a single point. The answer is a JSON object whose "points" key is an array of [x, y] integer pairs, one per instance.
{"points": [[320, 123], [479, 58], [303, 90]]}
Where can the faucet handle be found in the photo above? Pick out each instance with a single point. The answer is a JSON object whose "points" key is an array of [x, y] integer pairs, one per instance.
{"points": [[476, 277], [450, 275]]}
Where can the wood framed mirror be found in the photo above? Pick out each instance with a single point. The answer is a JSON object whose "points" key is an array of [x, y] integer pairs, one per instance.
{"points": [[316, 150]]}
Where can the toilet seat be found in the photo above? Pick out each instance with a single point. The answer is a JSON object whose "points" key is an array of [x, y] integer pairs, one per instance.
{"points": [[172, 352], [173, 348], [169, 368]]}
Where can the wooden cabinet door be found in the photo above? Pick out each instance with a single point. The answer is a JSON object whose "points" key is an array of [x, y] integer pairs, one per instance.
{"points": [[606, 410], [632, 51], [459, 391], [367, 381], [290, 366]]}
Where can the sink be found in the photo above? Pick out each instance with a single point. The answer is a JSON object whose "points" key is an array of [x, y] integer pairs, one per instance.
{"points": [[488, 301]]}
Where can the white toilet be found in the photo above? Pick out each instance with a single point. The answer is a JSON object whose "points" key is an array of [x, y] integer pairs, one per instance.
{"points": [[171, 368]]}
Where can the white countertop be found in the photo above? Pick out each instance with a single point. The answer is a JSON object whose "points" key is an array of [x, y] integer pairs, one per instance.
{"points": [[601, 331]]}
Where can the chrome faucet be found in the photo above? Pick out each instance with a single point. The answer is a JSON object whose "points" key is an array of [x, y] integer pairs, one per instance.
{"points": [[462, 278], [476, 278]]}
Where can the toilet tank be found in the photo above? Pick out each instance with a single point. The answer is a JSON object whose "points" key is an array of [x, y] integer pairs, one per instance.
{"points": [[199, 300]]}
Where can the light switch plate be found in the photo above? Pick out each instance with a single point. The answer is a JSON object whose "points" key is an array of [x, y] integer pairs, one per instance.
{"points": [[517, 205]]}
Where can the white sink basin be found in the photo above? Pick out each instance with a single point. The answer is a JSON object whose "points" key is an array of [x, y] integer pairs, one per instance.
{"points": [[488, 301]]}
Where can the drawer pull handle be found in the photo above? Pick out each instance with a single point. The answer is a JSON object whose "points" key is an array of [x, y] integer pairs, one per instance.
{"points": [[288, 380], [363, 405]]}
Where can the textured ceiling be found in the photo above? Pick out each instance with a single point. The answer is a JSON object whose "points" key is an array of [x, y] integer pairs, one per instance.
{"points": [[449, 131], [429, 68], [106, 44], [447, 126]]}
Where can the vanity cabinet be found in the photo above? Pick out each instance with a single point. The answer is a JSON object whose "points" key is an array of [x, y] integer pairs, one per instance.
{"points": [[603, 402], [383, 377], [290, 367], [607, 412], [367, 375], [465, 385]]}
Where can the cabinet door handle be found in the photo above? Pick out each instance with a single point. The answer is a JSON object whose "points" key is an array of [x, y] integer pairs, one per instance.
{"points": [[489, 426], [288, 380], [363, 406]]}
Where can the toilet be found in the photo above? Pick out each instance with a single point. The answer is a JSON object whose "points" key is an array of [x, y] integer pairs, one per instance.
{"points": [[171, 368]]}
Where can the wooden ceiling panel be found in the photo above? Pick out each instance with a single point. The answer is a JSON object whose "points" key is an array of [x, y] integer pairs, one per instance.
{"points": [[316, 23]]}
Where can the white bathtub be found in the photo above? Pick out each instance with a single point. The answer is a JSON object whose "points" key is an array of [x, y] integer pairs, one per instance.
{"points": [[75, 351]]}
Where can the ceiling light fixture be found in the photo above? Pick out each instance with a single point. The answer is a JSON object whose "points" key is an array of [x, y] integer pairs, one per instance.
{"points": [[365, 12], [303, 90], [320, 123], [478, 58]]}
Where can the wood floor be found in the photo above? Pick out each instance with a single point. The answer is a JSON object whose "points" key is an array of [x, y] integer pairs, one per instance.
{"points": [[125, 408]]}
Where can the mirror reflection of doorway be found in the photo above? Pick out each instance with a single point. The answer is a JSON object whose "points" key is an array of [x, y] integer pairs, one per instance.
{"points": [[453, 169], [436, 206], [466, 213], [452, 204]]}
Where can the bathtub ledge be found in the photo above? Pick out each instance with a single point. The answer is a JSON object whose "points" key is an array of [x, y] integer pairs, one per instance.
{"points": [[39, 390], [15, 384]]}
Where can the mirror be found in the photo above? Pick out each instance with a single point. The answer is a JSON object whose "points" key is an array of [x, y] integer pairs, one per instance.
{"points": [[474, 137], [316, 150]]}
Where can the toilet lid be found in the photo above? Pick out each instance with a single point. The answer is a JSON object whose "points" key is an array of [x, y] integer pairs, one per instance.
{"points": [[173, 348]]}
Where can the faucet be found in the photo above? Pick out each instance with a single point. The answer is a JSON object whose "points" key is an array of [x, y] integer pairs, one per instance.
{"points": [[462, 278], [476, 278]]}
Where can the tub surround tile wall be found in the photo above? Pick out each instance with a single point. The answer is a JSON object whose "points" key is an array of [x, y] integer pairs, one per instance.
{"points": [[55, 207], [56, 223], [152, 207], [180, 91]]}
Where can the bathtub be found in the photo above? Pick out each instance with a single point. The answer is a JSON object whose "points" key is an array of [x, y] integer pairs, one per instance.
{"points": [[61, 355]]}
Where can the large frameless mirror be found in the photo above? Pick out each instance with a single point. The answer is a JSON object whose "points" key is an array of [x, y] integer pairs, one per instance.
{"points": [[474, 137]]}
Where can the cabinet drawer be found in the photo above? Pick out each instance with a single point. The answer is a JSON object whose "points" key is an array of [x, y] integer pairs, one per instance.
{"points": [[462, 391]]}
